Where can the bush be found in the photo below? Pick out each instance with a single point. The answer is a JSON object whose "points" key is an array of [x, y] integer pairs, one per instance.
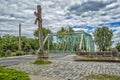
{"points": [[2, 53], [19, 53], [11, 74]]}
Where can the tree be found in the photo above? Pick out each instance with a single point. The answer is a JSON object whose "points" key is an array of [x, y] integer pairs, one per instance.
{"points": [[68, 30], [9, 42], [61, 30], [103, 38], [45, 32], [118, 46]]}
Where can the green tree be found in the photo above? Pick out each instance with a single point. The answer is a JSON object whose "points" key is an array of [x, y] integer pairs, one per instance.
{"points": [[70, 30], [103, 38], [9, 42], [61, 30], [45, 32], [29, 43], [118, 46]]}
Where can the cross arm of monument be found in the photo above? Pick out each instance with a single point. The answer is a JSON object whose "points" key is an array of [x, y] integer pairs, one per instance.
{"points": [[38, 15]]}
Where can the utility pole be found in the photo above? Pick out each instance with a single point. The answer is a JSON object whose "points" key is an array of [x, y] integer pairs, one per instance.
{"points": [[38, 20], [19, 47]]}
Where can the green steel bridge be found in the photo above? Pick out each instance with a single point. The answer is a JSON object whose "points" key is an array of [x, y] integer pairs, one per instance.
{"points": [[69, 42]]}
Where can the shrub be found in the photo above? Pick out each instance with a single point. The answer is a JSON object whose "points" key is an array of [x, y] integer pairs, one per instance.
{"points": [[2, 53], [19, 53]]}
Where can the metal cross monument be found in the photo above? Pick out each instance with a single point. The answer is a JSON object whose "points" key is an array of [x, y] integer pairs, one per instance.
{"points": [[38, 21]]}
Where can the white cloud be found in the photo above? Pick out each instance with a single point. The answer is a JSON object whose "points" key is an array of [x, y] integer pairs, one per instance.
{"points": [[57, 14]]}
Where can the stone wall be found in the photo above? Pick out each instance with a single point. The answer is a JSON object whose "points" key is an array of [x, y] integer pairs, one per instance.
{"points": [[112, 53]]}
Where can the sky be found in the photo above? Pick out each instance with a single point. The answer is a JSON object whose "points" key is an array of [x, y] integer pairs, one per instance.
{"points": [[84, 15]]}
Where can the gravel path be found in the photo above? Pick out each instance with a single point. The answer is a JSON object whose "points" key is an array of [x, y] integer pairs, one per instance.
{"points": [[66, 69]]}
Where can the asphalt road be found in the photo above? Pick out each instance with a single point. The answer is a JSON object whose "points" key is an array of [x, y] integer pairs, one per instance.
{"points": [[16, 60], [24, 59]]}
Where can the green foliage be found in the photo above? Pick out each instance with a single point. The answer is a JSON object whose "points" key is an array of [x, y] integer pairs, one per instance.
{"points": [[118, 46], [19, 53], [10, 74], [103, 38], [2, 53], [44, 30], [9, 42], [45, 33], [103, 77], [28, 43], [68, 30], [41, 62]]}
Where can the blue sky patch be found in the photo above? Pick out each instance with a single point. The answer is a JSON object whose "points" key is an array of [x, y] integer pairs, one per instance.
{"points": [[112, 24]]}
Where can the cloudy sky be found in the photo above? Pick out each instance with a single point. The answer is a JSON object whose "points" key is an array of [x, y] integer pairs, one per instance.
{"points": [[80, 14]]}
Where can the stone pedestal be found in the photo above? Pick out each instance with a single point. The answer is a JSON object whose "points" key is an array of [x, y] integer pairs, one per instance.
{"points": [[43, 55]]}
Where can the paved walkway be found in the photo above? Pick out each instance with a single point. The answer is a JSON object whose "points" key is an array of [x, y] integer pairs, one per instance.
{"points": [[66, 69]]}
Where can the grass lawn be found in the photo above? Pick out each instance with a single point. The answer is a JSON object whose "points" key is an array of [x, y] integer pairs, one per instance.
{"points": [[102, 77], [11, 74]]}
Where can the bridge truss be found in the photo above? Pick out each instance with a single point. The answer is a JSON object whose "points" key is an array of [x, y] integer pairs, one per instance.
{"points": [[70, 42]]}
